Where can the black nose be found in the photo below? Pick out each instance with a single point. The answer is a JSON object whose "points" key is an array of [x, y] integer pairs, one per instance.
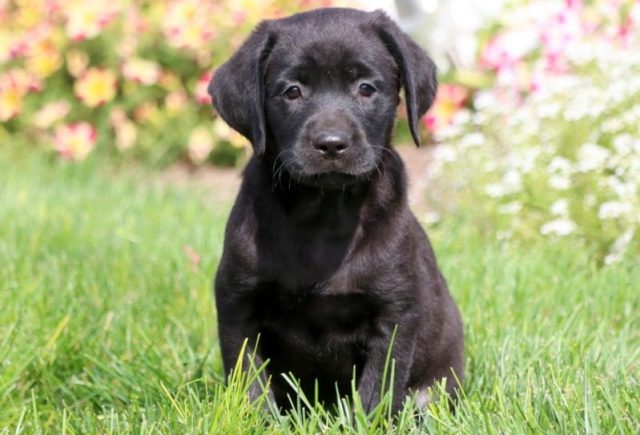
{"points": [[331, 143]]}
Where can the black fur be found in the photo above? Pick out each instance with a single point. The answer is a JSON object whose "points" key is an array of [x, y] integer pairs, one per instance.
{"points": [[323, 258]]}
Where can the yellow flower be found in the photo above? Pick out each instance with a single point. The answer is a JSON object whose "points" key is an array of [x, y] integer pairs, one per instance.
{"points": [[169, 81], [223, 132], [14, 85], [176, 101], [10, 102], [77, 62], [126, 135], [200, 144], [96, 86], [6, 43], [148, 112], [75, 141], [44, 59], [28, 14]]}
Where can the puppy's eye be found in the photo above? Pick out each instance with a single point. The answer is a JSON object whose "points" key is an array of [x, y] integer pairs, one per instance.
{"points": [[293, 93], [366, 90]]}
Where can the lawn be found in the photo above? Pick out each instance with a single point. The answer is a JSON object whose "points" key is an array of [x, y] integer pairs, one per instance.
{"points": [[107, 322]]}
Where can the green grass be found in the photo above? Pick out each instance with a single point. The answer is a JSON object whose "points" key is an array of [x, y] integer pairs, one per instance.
{"points": [[107, 323]]}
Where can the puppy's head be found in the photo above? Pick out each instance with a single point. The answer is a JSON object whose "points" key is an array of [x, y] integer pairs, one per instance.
{"points": [[317, 92]]}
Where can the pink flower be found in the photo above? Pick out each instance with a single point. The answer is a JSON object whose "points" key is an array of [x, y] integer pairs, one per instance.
{"points": [[141, 71], [51, 113], [176, 101], [86, 19], [449, 100], [494, 55], [625, 31], [201, 94], [573, 4], [557, 35], [75, 141], [187, 24]]}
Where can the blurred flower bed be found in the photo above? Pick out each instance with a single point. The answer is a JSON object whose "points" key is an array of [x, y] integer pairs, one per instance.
{"points": [[539, 137], [126, 76], [550, 146]]}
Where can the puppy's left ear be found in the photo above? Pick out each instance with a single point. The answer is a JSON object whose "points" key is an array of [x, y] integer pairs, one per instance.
{"points": [[418, 73], [237, 87]]}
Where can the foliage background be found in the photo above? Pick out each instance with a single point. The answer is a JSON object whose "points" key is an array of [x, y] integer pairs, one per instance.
{"points": [[536, 116], [545, 142], [107, 325], [126, 77]]}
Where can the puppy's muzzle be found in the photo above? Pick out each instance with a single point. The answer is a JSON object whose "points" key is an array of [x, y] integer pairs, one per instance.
{"points": [[331, 143]]}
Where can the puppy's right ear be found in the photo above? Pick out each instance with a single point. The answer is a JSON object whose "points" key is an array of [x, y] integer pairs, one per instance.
{"points": [[418, 73], [237, 87]]}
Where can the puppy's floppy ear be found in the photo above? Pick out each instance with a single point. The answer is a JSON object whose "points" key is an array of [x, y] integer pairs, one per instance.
{"points": [[237, 87], [418, 73]]}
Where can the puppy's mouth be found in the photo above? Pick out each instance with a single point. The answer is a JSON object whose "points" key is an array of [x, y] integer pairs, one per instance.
{"points": [[312, 169], [331, 175], [332, 180]]}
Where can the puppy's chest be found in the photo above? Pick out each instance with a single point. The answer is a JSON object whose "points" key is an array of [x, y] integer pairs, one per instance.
{"points": [[316, 314]]}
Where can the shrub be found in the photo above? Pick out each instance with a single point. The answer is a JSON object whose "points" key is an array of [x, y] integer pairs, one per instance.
{"points": [[552, 148], [133, 74]]}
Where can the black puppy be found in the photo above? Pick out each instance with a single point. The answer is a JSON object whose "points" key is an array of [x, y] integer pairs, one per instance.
{"points": [[323, 258]]}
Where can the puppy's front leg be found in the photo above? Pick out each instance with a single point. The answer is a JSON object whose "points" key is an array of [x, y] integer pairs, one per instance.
{"points": [[403, 343], [234, 328]]}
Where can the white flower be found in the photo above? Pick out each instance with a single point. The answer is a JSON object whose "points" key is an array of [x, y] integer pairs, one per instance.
{"points": [[623, 143], [513, 180], [431, 217], [484, 99], [461, 117], [526, 161], [512, 207], [548, 109], [495, 190], [614, 209], [611, 125], [559, 227], [446, 153], [560, 207], [619, 247], [504, 234], [448, 132], [559, 182], [511, 183], [473, 139], [591, 157], [560, 165], [621, 188]]}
